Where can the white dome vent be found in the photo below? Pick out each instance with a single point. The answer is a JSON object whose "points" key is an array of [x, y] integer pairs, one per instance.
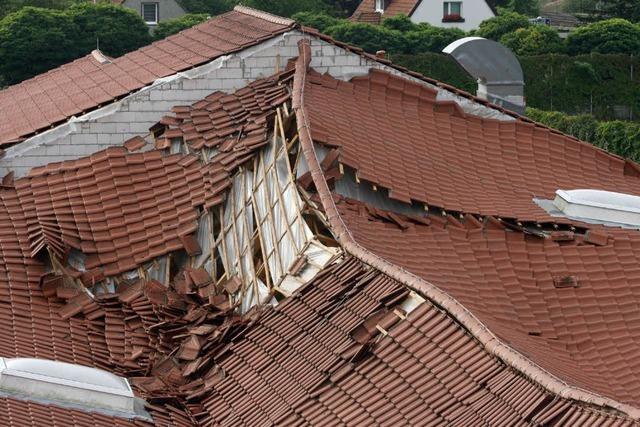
{"points": [[598, 205], [70, 385]]}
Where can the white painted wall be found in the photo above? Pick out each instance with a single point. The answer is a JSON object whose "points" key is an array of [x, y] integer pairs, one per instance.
{"points": [[473, 12], [134, 115]]}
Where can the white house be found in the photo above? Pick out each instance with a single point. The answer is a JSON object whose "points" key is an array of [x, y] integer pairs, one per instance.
{"points": [[463, 14]]}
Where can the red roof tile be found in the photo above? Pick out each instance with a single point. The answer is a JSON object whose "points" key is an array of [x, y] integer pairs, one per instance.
{"points": [[85, 84], [341, 353], [393, 8], [582, 332], [396, 135]]}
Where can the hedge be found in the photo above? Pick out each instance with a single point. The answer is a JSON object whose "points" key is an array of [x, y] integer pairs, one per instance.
{"points": [[618, 137], [601, 85]]}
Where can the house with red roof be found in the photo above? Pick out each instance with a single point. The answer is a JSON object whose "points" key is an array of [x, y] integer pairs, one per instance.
{"points": [[306, 235], [465, 15]]}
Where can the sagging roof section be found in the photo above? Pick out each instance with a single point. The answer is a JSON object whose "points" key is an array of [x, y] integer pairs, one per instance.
{"points": [[396, 135], [563, 383]]}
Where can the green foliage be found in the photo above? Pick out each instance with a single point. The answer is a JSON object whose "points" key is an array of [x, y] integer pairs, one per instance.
{"points": [[10, 6], [287, 7], [582, 126], [172, 26], [33, 41], [579, 6], [369, 37], [399, 22], [319, 21], [595, 84], [609, 36], [534, 40], [502, 24], [342, 8], [118, 30], [618, 137], [627, 9], [419, 38], [524, 7], [209, 7], [439, 67], [428, 38]]}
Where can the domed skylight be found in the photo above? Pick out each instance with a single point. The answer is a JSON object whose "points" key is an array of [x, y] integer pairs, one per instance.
{"points": [[67, 384]]}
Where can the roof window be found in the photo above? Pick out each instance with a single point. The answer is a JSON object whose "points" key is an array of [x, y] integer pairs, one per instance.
{"points": [[598, 205], [69, 385], [380, 6]]}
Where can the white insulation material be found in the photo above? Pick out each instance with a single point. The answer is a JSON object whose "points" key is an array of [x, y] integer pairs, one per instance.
{"points": [[237, 242], [264, 233]]}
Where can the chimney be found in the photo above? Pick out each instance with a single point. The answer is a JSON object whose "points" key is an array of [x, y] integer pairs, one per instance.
{"points": [[496, 69]]}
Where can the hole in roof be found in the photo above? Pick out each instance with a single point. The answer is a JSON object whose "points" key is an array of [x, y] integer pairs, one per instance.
{"points": [[65, 384], [607, 207]]}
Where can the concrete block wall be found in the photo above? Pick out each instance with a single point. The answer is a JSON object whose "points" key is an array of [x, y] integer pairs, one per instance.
{"points": [[135, 114]]}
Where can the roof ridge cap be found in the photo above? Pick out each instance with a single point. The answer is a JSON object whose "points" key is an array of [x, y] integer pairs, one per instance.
{"points": [[263, 15], [100, 57]]}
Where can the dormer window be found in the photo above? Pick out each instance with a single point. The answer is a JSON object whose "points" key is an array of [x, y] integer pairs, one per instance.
{"points": [[380, 6], [452, 11]]}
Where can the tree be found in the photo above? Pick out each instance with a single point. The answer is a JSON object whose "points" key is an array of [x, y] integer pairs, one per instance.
{"points": [[400, 22], [34, 40], [524, 7], [342, 8], [319, 21], [369, 37], [209, 7], [10, 6], [118, 30], [627, 9], [533, 40], [172, 26], [287, 7], [427, 38], [494, 28], [609, 36]]}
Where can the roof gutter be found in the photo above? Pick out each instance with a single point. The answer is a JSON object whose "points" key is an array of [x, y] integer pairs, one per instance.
{"points": [[463, 316]]}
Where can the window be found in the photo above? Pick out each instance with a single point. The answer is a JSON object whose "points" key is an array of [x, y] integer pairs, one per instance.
{"points": [[452, 11], [380, 6], [150, 13]]}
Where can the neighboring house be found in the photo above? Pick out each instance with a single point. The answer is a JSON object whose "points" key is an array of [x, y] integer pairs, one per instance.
{"points": [[564, 23], [154, 11], [250, 223], [463, 14]]}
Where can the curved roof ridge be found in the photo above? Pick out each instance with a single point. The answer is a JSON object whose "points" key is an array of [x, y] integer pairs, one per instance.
{"points": [[460, 313]]}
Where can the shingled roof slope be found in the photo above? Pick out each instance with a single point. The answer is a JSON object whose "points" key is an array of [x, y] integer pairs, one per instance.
{"points": [[396, 135], [501, 339], [342, 352], [584, 330], [92, 81]]}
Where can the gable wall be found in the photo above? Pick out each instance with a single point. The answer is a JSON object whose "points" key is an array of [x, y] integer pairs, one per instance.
{"points": [[134, 115]]}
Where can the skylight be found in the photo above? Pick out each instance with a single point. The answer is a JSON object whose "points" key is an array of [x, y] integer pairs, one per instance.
{"points": [[598, 205], [69, 385]]}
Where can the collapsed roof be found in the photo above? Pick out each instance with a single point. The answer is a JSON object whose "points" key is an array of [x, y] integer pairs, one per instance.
{"points": [[313, 251]]}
